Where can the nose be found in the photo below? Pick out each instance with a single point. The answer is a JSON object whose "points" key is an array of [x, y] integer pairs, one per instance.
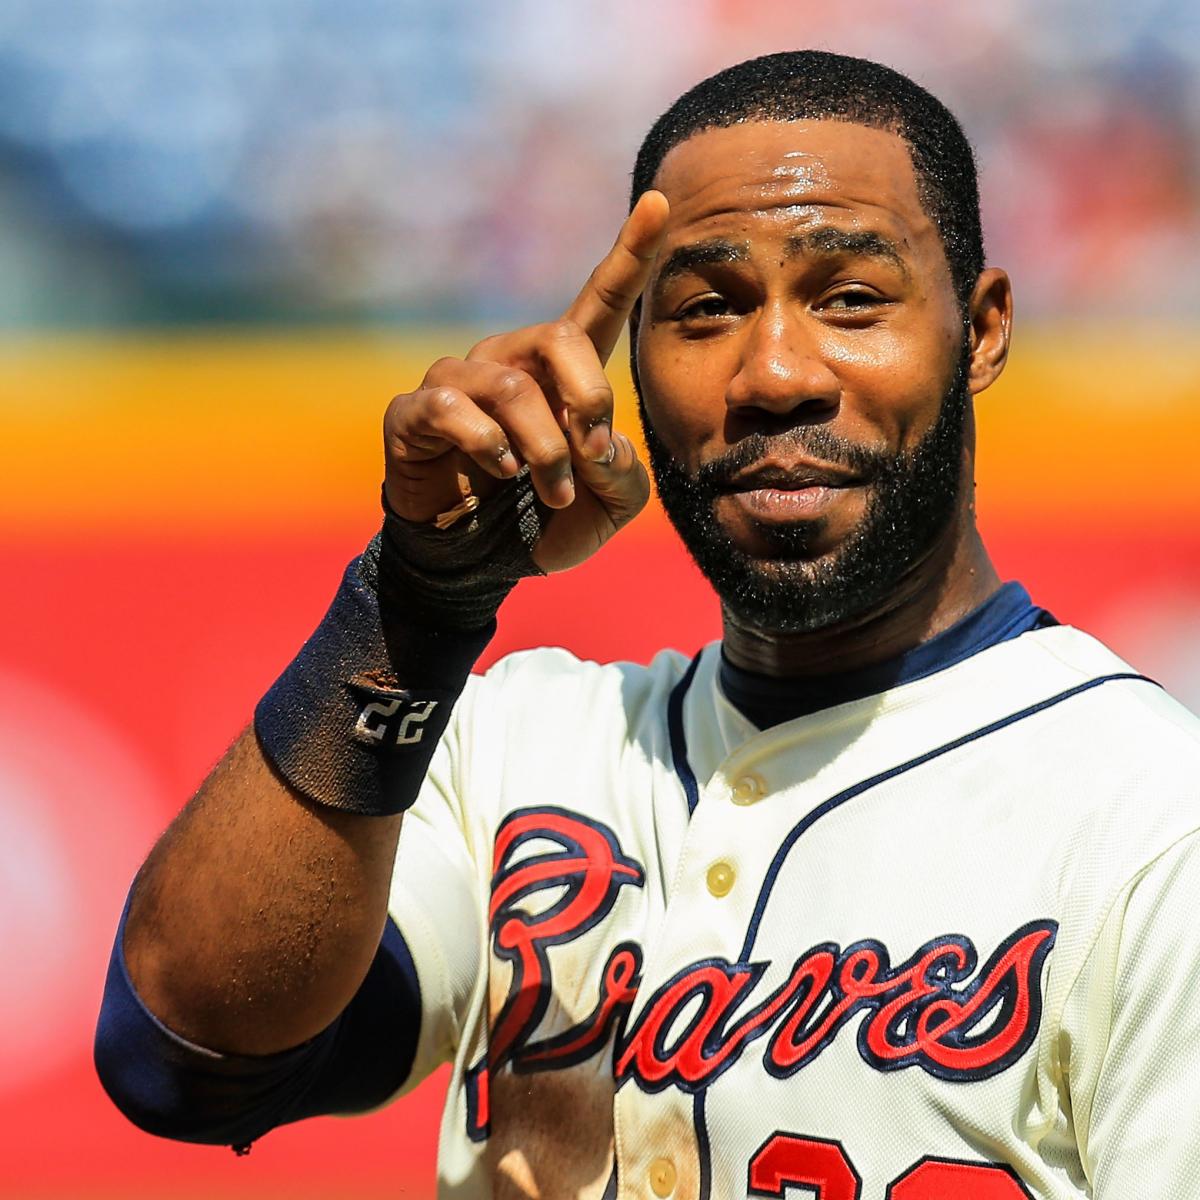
{"points": [[782, 371]]}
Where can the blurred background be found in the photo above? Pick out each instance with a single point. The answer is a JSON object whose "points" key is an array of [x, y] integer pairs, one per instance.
{"points": [[230, 232]]}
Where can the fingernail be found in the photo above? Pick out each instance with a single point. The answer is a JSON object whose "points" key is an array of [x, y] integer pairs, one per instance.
{"points": [[507, 462], [598, 443]]}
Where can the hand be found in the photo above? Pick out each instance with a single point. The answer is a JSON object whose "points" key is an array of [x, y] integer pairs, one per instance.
{"points": [[536, 396]]}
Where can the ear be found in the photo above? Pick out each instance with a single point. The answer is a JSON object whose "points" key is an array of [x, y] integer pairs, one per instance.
{"points": [[991, 327]]}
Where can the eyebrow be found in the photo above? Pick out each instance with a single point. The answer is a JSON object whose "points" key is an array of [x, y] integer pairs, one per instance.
{"points": [[831, 242], [701, 254]]}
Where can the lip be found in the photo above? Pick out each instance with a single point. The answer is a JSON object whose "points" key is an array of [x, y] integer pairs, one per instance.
{"points": [[778, 491], [790, 476], [771, 505]]}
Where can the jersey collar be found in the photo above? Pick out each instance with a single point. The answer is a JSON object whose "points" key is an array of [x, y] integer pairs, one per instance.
{"points": [[767, 700]]}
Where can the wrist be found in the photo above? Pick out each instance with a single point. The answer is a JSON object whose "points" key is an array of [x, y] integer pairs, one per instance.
{"points": [[353, 721], [456, 577]]}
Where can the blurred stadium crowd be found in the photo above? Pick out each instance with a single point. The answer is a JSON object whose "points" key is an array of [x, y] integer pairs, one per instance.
{"points": [[163, 160]]}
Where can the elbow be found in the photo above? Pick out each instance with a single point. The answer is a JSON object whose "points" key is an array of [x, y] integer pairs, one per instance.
{"points": [[164, 1084]]}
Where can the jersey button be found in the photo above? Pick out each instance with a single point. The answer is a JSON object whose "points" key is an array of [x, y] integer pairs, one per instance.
{"points": [[748, 789], [662, 1176], [720, 879]]}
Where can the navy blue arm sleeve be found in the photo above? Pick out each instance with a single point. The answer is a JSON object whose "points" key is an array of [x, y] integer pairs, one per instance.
{"points": [[173, 1088]]}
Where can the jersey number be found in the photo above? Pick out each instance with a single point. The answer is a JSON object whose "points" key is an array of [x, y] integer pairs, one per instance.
{"points": [[785, 1160]]}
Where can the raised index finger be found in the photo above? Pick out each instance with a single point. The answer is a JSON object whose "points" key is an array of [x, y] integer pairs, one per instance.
{"points": [[612, 289]]}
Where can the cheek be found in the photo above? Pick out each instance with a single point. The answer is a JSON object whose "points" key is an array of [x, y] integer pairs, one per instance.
{"points": [[892, 384], [684, 396]]}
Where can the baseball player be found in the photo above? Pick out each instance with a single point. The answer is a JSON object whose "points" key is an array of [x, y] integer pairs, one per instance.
{"points": [[888, 894]]}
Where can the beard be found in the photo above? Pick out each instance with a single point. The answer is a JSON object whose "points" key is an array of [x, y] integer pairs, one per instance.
{"points": [[911, 498]]}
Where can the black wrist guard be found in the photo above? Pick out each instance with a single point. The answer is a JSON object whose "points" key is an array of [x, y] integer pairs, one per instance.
{"points": [[456, 578], [354, 720]]}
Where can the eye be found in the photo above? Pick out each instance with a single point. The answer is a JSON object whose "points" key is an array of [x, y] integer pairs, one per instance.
{"points": [[707, 306], [853, 298]]}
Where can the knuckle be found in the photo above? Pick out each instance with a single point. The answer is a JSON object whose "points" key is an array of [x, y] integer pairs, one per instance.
{"points": [[398, 411], [596, 394], [395, 452], [487, 348], [608, 293], [563, 330], [441, 369], [548, 453], [511, 384], [442, 400], [480, 437]]}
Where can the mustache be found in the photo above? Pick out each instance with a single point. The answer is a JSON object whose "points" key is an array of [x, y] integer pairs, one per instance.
{"points": [[813, 441]]}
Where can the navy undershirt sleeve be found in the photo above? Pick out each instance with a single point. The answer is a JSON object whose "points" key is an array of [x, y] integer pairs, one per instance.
{"points": [[168, 1086]]}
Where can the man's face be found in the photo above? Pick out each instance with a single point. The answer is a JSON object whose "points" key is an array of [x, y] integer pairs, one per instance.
{"points": [[803, 369]]}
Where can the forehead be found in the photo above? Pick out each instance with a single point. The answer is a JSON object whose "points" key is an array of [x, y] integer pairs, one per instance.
{"points": [[789, 174]]}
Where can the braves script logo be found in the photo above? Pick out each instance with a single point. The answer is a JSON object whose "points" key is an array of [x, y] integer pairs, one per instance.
{"points": [[587, 866], [938, 1010]]}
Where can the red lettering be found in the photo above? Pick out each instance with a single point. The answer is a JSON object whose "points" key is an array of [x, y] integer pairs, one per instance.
{"points": [[720, 991], [788, 1160], [592, 875], [785, 1159], [586, 871], [946, 1179]]}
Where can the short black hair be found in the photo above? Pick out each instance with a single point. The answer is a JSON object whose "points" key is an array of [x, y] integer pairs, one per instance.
{"points": [[799, 85]]}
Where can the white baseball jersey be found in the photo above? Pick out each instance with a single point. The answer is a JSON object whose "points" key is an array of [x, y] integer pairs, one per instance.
{"points": [[940, 943]]}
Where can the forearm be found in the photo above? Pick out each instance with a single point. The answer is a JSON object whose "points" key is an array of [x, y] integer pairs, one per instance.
{"points": [[258, 913]]}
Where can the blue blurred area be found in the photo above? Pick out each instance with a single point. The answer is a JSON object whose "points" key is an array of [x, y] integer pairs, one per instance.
{"points": [[305, 160]]}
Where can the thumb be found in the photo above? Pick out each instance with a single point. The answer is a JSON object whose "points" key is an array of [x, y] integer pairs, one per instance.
{"points": [[622, 484], [611, 494]]}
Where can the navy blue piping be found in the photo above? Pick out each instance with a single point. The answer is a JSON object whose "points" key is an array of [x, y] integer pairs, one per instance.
{"points": [[679, 756], [691, 790], [702, 1146], [610, 1188], [857, 790]]}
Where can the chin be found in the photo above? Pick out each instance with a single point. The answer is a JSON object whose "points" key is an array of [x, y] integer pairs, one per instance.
{"points": [[804, 540], [787, 551], [790, 595]]}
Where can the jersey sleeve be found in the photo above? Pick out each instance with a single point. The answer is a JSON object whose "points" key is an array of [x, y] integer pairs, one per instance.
{"points": [[1133, 1022], [437, 895]]}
